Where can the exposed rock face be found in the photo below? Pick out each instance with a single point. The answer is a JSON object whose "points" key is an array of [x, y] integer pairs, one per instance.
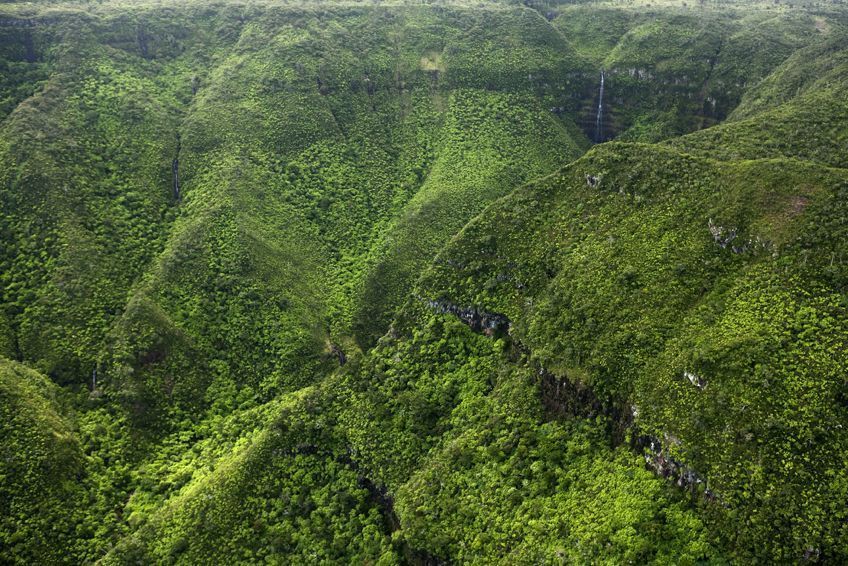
{"points": [[728, 238], [695, 379], [142, 37], [27, 22], [636, 73], [563, 398], [721, 235], [29, 48], [657, 459], [480, 321], [175, 170], [340, 355]]}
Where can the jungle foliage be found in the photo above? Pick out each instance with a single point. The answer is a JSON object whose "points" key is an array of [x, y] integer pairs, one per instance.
{"points": [[353, 282]]}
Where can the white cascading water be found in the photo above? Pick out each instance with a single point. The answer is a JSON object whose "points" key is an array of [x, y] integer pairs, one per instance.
{"points": [[600, 116]]}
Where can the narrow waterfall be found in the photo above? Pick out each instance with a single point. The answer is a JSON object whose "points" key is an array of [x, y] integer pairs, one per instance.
{"points": [[599, 119], [175, 168]]}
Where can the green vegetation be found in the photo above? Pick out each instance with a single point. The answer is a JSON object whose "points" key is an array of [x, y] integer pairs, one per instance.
{"points": [[41, 458], [347, 282], [757, 321]]}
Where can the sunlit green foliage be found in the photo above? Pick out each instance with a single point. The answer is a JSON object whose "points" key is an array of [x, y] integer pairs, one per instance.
{"points": [[759, 319], [237, 241], [39, 465]]}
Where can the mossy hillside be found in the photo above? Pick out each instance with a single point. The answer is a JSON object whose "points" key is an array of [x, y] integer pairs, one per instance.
{"points": [[798, 112], [490, 143], [810, 128], [22, 69], [429, 386], [367, 113], [306, 503], [673, 71], [326, 153], [778, 458], [656, 218], [578, 501], [220, 269], [41, 464], [787, 80], [416, 52], [386, 115], [81, 186], [452, 423], [87, 186], [249, 233], [312, 190]]}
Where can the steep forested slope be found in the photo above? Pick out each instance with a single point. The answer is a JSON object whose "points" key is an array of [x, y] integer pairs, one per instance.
{"points": [[331, 282], [702, 305]]}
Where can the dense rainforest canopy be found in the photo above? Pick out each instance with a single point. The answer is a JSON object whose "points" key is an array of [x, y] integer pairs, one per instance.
{"points": [[424, 282]]}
